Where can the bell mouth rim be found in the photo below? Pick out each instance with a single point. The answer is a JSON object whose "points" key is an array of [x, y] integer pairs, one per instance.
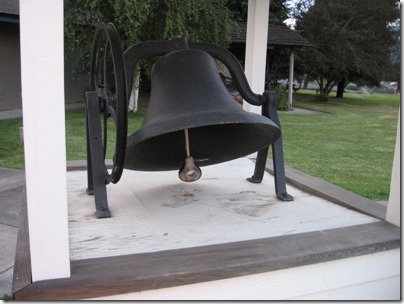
{"points": [[216, 118], [225, 140]]}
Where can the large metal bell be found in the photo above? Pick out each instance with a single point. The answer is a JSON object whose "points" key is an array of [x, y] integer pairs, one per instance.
{"points": [[191, 114]]}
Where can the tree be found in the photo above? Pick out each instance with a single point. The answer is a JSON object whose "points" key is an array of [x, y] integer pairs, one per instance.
{"points": [[351, 41], [278, 10], [137, 20]]}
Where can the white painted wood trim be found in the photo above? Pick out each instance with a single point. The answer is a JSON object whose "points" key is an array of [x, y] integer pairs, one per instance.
{"points": [[369, 277], [256, 48], [394, 206], [42, 79], [291, 77]]}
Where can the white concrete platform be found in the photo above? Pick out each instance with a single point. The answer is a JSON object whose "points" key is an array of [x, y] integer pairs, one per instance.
{"points": [[155, 211]]}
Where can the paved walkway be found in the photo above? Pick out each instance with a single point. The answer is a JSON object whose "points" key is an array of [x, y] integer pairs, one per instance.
{"points": [[15, 113], [11, 114], [11, 185]]}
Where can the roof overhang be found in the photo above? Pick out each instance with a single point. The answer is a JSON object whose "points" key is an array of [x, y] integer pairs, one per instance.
{"points": [[277, 35]]}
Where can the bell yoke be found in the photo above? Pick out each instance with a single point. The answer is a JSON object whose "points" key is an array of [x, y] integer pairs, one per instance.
{"points": [[191, 121]]}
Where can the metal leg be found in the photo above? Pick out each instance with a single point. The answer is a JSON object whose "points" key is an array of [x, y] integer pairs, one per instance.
{"points": [[90, 185], [277, 150], [262, 156], [269, 109], [259, 166], [279, 171], [96, 172]]}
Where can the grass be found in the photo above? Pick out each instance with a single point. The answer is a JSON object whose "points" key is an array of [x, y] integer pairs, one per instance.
{"points": [[11, 147], [12, 151], [350, 145], [76, 133]]}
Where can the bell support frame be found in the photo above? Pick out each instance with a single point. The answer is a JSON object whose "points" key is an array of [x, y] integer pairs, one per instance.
{"points": [[124, 65]]}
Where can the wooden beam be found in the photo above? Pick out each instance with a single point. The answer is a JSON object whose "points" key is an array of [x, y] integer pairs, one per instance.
{"points": [[256, 48], [22, 268], [138, 272], [394, 207], [42, 79]]}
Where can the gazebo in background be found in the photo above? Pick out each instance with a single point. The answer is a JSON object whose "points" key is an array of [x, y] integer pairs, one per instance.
{"points": [[277, 36]]}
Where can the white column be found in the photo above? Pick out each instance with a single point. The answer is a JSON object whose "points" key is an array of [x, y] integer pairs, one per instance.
{"points": [[42, 80], [291, 76], [394, 208], [256, 48]]}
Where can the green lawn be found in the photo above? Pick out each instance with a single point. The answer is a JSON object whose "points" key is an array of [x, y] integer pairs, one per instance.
{"points": [[76, 133], [11, 148], [350, 145]]}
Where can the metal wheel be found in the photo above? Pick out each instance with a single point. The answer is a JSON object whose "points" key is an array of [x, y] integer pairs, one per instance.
{"points": [[109, 81]]}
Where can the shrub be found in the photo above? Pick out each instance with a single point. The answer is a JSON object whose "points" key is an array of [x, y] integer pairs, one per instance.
{"points": [[283, 104]]}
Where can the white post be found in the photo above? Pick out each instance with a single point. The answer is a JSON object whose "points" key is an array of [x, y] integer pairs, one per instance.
{"points": [[42, 80], [291, 77], [394, 208], [256, 48]]}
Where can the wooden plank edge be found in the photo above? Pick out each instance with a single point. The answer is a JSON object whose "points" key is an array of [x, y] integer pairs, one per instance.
{"points": [[76, 165], [331, 192], [22, 261], [138, 272], [81, 165]]}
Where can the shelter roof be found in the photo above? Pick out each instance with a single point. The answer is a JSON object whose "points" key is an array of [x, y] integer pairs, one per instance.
{"points": [[9, 7], [277, 35]]}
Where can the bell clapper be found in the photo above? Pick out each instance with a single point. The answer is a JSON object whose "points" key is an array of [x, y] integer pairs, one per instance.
{"points": [[187, 142], [189, 172]]}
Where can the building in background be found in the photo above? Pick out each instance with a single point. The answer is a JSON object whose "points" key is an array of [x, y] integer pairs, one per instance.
{"points": [[10, 70]]}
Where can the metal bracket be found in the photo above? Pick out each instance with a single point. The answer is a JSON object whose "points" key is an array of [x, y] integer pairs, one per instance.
{"points": [[95, 157], [269, 109]]}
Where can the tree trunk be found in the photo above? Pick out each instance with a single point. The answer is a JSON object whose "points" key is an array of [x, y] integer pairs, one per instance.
{"points": [[340, 88], [306, 81], [323, 97], [330, 85], [134, 96]]}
